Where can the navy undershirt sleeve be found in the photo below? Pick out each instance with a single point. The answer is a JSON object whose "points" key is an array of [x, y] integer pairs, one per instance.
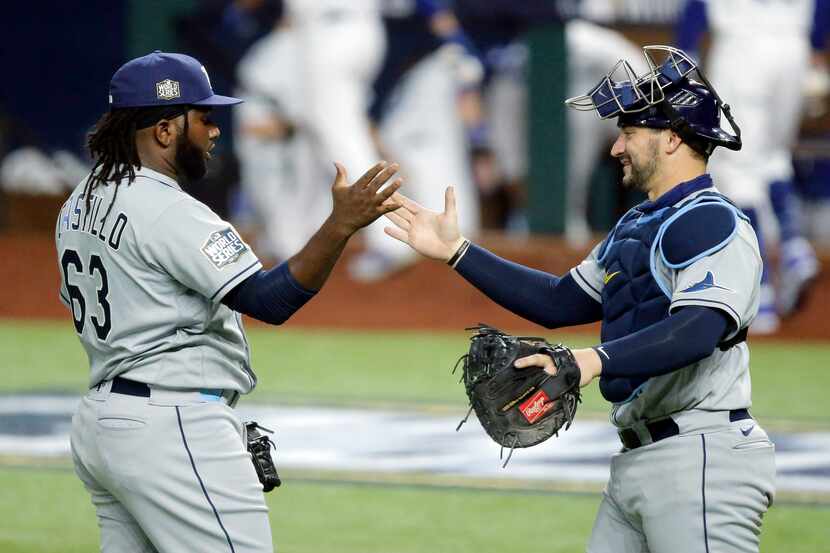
{"points": [[537, 296], [687, 336], [269, 296]]}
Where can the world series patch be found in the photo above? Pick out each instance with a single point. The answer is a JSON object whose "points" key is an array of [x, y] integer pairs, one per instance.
{"points": [[224, 247]]}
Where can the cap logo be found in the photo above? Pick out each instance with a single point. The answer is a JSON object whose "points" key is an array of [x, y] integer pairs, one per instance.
{"points": [[167, 89], [685, 98]]}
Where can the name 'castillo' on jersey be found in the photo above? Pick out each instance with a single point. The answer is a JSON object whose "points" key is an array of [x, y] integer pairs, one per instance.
{"points": [[143, 277]]}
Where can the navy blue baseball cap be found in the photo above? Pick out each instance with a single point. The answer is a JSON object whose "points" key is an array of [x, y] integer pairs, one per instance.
{"points": [[164, 79]]}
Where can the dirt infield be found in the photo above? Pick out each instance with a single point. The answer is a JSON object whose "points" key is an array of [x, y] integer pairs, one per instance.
{"points": [[424, 296]]}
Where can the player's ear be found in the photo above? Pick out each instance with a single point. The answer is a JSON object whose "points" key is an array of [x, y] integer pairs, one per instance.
{"points": [[672, 141], [165, 133]]}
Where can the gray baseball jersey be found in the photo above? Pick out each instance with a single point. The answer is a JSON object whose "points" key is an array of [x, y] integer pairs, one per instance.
{"points": [[145, 283], [728, 280]]}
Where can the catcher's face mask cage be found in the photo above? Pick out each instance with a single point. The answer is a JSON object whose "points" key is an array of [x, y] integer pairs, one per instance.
{"points": [[665, 97]]}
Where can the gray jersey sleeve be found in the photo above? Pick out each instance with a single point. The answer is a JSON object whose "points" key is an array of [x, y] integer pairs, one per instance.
{"points": [[199, 249], [63, 294], [728, 280], [589, 275]]}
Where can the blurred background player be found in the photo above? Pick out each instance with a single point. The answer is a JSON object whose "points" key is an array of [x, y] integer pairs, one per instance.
{"points": [[340, 47], [219, 32], [280, 174], [498, 135], [591, 49], [429, 63], [759, 57]]}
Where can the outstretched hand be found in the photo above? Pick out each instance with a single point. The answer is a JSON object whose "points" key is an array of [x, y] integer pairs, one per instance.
{"points": [[358, 205], [432, 234]]}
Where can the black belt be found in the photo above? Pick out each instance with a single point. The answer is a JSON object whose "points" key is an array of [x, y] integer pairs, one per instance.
{"points": [[140, 389], [129, 387], [666, 428]]}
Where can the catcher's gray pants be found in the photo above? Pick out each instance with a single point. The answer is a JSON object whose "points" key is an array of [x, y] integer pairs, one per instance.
{"points": [[168, 473], [702, 491]]}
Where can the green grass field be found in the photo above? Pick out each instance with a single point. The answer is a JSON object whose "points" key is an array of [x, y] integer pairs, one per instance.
{"points": [[789, 380], [45, 509]]}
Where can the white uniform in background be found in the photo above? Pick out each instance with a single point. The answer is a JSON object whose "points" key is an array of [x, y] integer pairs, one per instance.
{"points": [[340, 48], [419, 126], [282, 178], [759, 60], [422, 130]]}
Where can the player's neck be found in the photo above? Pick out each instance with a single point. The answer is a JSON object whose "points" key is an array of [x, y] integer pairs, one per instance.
{"points": [[158, 163], [673, 174]]}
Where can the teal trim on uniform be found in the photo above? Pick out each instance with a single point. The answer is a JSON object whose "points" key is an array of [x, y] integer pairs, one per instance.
{"points": [[211, 395], [704, 253], [647, 217], [699, 201], [637, 391], [606, 246]]}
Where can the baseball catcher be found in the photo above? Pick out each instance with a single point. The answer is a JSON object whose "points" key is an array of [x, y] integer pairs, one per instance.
{"points": [[676, 285], [518, 407]]}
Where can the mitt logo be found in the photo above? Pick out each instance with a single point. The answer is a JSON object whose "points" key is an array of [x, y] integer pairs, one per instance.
{"points": [[536, 407], [167, 89], [223, 248]]}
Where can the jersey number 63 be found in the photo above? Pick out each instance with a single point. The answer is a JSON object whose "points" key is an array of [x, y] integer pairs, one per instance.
{"points": [[102, 324]]}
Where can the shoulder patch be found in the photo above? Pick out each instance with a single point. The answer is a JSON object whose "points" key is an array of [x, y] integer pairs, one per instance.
{"points": [[700, 231], [223, 247]]}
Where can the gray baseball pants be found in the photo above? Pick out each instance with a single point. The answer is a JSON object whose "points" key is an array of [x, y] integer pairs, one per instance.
{"points": [[168, 473], [702, 491]]}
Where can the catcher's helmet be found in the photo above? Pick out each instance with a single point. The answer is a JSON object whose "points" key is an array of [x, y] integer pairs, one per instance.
{"points": [[666, 97]]}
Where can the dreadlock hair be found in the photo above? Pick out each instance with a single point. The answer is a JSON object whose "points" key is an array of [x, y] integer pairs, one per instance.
{"points": [[112, 145]]}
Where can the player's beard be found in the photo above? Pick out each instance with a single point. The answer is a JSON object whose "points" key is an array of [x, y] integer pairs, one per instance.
{"points": [[642, 167], [190, 159]]}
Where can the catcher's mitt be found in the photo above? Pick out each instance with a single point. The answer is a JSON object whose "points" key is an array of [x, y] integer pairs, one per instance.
{"points": [[518, 407]]}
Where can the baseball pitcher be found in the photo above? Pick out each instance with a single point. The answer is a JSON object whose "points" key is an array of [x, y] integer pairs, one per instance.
{"points": [[155, 282]]}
